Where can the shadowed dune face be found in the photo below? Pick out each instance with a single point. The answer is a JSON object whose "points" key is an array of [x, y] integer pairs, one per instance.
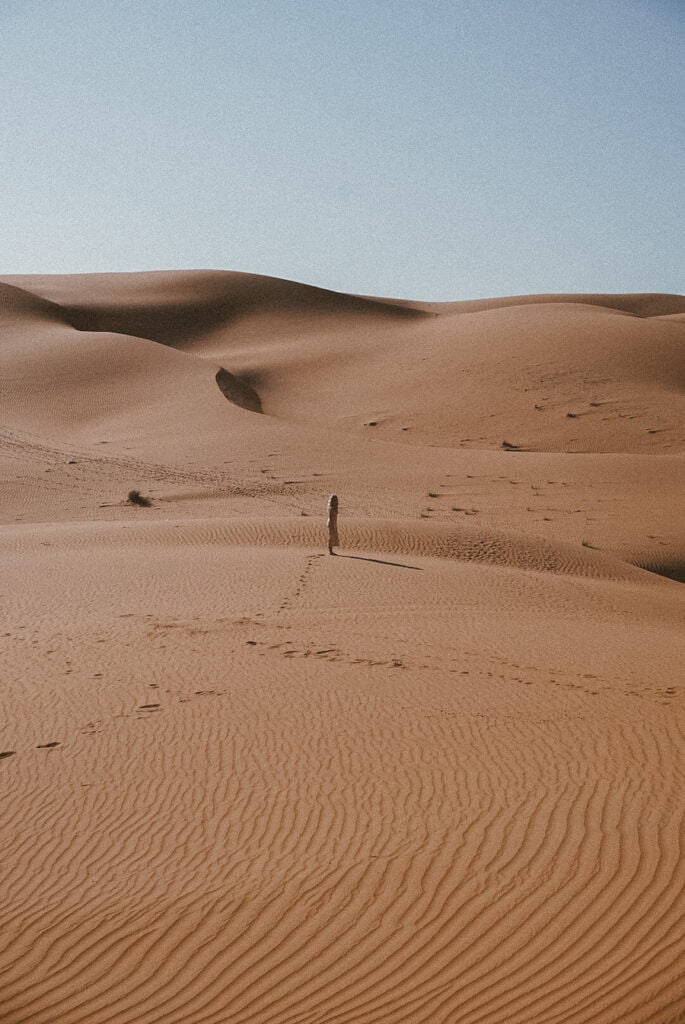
{"points": [[435, 779], [238, 391], [176, 307], [18, 307]]}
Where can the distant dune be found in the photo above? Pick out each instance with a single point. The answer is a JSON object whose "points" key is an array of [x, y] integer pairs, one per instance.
{"points": [[577, 373], [436, 779]]}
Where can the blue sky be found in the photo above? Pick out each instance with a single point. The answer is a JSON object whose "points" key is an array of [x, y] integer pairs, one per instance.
{"points": [[414, 148]]}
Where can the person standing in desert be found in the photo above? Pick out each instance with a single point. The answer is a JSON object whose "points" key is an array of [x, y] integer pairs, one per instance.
{"points": [[332, 524]]}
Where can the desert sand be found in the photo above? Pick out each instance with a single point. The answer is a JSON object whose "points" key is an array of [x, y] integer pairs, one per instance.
{"points": [[436, 778]]}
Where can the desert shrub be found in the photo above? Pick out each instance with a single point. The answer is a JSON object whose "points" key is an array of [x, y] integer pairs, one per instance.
{"points": [[136, 498]]}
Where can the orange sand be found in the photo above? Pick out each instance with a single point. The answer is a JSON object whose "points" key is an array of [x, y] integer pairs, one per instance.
{"points": [[437, 779]]}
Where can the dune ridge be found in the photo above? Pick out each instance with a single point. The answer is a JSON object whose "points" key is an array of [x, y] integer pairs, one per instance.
{"points": [[392, 537], [298, 348], [436, 779]]}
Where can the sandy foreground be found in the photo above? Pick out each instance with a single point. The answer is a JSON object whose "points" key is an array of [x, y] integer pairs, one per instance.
{"points": [[436, 778]]}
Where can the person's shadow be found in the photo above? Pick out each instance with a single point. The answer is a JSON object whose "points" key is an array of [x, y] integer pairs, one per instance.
{"points": [[379, 561]]}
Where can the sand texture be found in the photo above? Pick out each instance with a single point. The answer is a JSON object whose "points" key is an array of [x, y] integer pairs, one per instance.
{"points": [[435, 779]]}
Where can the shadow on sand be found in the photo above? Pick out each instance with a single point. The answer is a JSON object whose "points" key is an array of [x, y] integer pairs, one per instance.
{"points": [[379, 561]]}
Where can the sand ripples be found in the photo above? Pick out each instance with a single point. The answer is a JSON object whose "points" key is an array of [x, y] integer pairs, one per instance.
{"points": [[451, 892], [268, 839], [434, 540]]}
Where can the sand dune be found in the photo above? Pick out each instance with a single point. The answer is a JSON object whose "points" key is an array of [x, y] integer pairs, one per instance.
{"points": [[437, 778], [415, 374]]}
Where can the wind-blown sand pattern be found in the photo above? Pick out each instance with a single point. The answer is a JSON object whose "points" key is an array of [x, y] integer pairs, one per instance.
{"points": [[438, 778]]}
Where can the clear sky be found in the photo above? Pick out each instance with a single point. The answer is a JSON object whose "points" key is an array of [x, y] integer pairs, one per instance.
{"points": [[428, 149]]}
